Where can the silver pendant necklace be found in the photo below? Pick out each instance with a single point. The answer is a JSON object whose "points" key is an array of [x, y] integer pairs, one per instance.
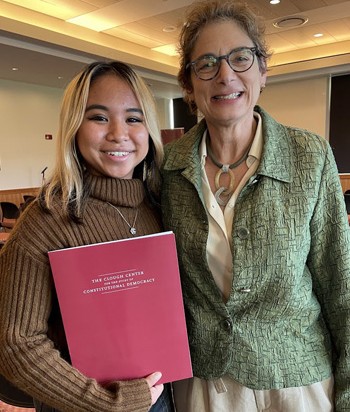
{"points": [[222, 190], [132, 228]]}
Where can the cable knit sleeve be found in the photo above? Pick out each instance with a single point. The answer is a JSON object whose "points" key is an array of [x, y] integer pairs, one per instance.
{"points": [[28, 357]]}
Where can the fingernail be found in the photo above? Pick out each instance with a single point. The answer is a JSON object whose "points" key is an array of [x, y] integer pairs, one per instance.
{"points": [[157, 375]]}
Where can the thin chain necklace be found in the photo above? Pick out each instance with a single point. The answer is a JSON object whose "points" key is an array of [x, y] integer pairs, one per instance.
{"points": [[222, 190], [132, 228]]}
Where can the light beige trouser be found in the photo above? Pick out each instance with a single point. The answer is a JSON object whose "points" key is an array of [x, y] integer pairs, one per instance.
{"points": [[197, 395]]}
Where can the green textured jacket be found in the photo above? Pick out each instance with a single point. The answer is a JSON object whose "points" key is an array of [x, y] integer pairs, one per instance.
{"points": [[287, 320]]}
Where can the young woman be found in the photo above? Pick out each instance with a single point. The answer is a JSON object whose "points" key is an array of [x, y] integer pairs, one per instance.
{"points": [[105, 183]]}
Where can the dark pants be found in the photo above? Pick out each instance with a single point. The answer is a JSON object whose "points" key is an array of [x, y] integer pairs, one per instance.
{"points": [[163, 404], [165, 401], [13, 396]]}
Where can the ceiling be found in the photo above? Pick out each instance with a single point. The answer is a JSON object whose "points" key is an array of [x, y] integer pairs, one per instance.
{"points": [[48, 41]]}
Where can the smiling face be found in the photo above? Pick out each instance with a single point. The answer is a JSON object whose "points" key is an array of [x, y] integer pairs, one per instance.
{"points": [[229, 98], [112, 138]]}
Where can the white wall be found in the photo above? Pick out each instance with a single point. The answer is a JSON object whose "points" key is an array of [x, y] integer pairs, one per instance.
{"points": [[300, 103], [163, 110], [27, 113]]}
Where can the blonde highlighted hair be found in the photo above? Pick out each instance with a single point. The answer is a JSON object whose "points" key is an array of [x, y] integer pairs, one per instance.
{"points": [[67, 176]]}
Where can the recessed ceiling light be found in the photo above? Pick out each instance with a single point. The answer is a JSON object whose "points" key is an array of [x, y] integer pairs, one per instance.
{"points": [[15, 69], [274, 1], [290, 21], [169, 29], [318, 35]]}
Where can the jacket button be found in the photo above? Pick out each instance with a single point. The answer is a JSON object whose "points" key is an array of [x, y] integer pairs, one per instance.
{"points": [[227, 324], [242, 232], [245, 290]]}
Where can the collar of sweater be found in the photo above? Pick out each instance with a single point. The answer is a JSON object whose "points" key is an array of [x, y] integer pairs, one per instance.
{"points": [[118, 192]]}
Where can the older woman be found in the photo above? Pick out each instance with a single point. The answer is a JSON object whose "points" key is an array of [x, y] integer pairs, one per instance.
{"points": [[262, 234]]}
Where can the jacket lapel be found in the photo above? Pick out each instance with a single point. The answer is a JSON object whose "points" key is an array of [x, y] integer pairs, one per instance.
{"points": [[275, 161]]}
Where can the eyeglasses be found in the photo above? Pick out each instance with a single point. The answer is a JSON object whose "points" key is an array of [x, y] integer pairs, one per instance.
{"points": [[240, 60]]}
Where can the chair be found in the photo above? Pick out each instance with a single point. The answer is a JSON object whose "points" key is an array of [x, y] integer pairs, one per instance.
{"points": [[9, 214], [347, 200], [28, 198], [11, 395]]}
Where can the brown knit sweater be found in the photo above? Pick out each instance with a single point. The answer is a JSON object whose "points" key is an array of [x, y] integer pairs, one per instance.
{"points": [[33, 348]]}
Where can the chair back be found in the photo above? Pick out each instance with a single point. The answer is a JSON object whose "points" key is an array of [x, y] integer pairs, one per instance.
{"points": [[9, 213], [28, 198], [11, 395], [9, 210], [347, 200]]}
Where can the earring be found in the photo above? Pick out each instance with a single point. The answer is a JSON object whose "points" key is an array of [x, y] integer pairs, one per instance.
{"points": [[262, 87], [144, 171]]}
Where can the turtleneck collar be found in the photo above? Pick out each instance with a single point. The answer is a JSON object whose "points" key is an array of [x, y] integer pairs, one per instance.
{"points": [[119, 192]]}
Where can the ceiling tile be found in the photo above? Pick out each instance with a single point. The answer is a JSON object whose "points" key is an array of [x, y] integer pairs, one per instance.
{"points": [[135, 27], [60, 9]]}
